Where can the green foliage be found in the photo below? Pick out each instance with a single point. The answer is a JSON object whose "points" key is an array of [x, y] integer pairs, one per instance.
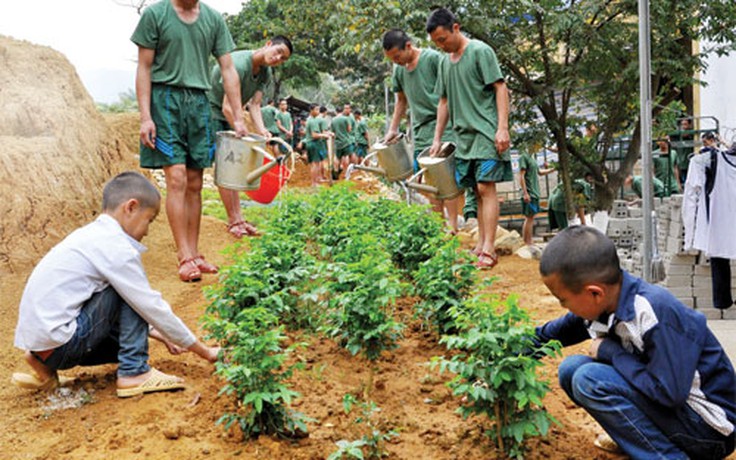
{"points": [[494, 363], [443, 282], [127, 103], [255, 372], [371, 444]]}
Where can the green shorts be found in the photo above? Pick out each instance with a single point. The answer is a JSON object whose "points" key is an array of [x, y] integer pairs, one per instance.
{"points": [[313, 152], [557, 219], [345, 151], [468, 173], [323, 149], [361, 150], [185, 132], [531, 208]]}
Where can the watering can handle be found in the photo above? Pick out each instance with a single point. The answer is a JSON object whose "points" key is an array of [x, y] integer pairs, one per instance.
{"points": [[258, 172], [282, 142]]}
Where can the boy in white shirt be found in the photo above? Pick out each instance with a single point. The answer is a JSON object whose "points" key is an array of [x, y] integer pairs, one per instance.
{"points": [[89, 302]]}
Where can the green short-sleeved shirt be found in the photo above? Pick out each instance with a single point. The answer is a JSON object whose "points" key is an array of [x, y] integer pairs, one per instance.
{"points": [[361, 128], [664, 171], [343, 137], [531, 174], [286, 122], [418, 85], [181, 49], [353, 123], [582, 193], [269, 118], [471, 100], [657, 185], [313, 126], [249, 83]]}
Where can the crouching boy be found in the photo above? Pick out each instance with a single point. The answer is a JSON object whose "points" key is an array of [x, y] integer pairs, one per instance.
{"points": [[88, 301], [656, 378]]}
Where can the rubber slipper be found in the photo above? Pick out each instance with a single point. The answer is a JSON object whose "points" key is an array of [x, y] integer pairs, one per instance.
{"points": [[32, 382], [604, 442], [189, 271], [486, 265], [249, 228], [158, 381], [204, 266]]}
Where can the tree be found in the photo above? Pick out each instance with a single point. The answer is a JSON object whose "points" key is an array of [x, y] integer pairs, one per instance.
{"points": [[560, 53]]}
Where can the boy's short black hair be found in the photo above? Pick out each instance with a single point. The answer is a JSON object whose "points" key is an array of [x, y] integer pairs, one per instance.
{"points": [[581, 255], [357, 112], [441, 17], [281, 39], [395, 38], [313, 106], [128, 185], [322, 109]]}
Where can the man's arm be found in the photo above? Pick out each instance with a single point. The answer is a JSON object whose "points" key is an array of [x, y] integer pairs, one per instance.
{"points": [[502, 106], [143, 93], [254, 108], [399, 111], [231, 84], [442, 116]]}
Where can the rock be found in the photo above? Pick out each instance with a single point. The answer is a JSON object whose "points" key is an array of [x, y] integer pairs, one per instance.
{"points": [[172, 432]]}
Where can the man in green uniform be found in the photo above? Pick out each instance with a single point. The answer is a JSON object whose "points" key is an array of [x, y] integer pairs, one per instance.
{"points": [[413, 80], [268, 113], [325, 125], [473, 94], [342, 126], [176, 133], [284, 123], [557, 208], [361, 135], [665, 167], [313, 135], [254, 70], [529, 173], [635, 182]]}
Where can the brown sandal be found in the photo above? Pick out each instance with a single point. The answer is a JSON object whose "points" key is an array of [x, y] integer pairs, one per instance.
{"points": [[236, 230], [189, 271], [484, 265], [204, 266]]}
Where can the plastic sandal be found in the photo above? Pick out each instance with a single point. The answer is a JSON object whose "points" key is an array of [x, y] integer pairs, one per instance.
{"points": [[236, 229], [484, 265], [158, 381], [606, 443], [249, 228], [189, 271], [204, 266]]}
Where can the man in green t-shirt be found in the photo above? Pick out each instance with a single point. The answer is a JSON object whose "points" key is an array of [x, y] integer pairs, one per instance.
{"points": [[413, 79], [529, 173], [473, 94], [254, 71], [325, 125], [176, 133], [284, 123], [635, 182], [557, 208], [313, 135], [361, 135], [342, 126], [268, 113], [665, 167]]}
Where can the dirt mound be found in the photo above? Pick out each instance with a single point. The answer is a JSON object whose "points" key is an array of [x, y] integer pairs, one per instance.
{"points": [[56, 152]]}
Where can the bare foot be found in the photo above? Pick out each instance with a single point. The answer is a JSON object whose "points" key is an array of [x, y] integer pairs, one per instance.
{"points": [[43, 372]]}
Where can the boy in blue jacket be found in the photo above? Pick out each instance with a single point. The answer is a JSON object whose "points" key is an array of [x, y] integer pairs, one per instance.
{"points": [[656, 378]]}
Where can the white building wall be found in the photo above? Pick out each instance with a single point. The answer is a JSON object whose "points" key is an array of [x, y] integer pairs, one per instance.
{"points": [[718, 98]]}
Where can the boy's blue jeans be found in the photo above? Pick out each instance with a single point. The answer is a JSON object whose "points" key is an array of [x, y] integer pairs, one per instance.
{"points": [[108, 331], [641, 427]]}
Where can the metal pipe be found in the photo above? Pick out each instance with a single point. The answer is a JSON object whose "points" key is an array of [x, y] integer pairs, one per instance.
{"points": [[645, 107]]}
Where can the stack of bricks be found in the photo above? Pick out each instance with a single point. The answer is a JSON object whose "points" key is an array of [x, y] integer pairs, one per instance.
{"points": [[687, 272]]}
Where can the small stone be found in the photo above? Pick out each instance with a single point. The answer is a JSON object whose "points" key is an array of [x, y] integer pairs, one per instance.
{"points": [[172, 432]]}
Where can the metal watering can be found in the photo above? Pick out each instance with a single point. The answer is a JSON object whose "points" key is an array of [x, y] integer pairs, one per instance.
{"points": [[239, 160], [394, 160], [439, 173]]}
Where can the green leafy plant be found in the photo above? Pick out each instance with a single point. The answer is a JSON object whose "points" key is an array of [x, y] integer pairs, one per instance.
{"points": [[255, 372], [372, 444], [494, 365], [443, 282]]}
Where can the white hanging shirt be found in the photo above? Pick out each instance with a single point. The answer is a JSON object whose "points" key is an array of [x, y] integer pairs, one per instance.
{"points": [[711, 231]]}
